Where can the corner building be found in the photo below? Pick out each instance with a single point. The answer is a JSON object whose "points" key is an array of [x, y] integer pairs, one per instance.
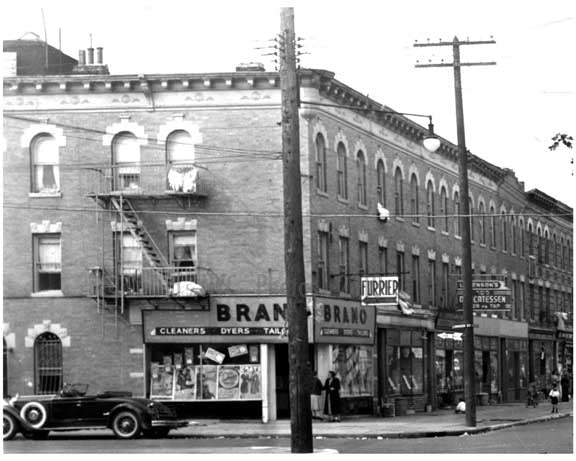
{"points": [[144, 244]]}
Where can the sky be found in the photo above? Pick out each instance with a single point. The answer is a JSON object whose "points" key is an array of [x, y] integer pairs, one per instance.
{"points": [[511, 109]]}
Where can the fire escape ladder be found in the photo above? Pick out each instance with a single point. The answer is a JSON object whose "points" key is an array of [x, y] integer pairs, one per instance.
{"points": [[108, 301]]}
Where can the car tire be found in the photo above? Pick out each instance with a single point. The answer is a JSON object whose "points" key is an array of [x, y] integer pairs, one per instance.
{"points": [[126, 425], [34, 414], [11, 426]]}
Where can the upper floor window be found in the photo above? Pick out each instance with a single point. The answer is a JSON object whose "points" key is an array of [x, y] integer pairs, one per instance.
{"points": [[492, 227], [513, 234], [457, 217], [414, 208], [381, 178], [180, 156], [416, 278], [432, 282], [362, 258], [398, 193], [401, 269], [482, 223], [45, 164], [530, 239], [504, 227], [471, 214], [322, 266], [522, 242], [47, 262], [342, 171], [444, 207], [430, 204], [383, 260], [321, 163], [126, 159], [48, 374], [445, 285], [361, 173], [344, 264], [183, 249]]}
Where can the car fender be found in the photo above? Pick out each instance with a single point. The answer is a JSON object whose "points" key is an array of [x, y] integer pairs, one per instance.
{"points": [[22, 424], [142, 413]]}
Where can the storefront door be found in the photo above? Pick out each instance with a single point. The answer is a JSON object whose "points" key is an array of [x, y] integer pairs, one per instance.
{"points": [[282, 382]]}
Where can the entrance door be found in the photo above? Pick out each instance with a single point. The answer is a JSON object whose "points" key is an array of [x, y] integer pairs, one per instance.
{"points": [[282, 382]]}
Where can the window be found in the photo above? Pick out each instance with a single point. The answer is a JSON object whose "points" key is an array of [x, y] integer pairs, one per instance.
{"points": [[546, 248], [513, 234], [406, 362], [126, 157], [521, 312], [47, 262], [530, 240], [361, 173], [321, 163], [414, 199], [323, 266], [180, 155], [531, 301], [456, 213], [400, 269], [398, 193], [432, 282], [540, 241], [45, 164], [444, 207], [353, 364], [482, 223], [522, 238], [416, 279], [445, 285], [504, 228], [430, 204], [183, 249], [362, 259], [342, 171], [471, 214], [492, 228], [383, 260], [47, 364], [381, 174], [344, 264], [129, 262]]}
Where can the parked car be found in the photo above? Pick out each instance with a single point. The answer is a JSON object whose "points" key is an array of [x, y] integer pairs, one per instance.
{"points": [[73, 409]]}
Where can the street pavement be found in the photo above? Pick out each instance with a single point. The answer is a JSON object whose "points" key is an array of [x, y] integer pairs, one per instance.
{"points": [[434, 424]]}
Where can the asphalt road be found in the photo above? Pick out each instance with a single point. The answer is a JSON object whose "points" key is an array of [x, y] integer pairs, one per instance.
{"points": [[555, 436]]}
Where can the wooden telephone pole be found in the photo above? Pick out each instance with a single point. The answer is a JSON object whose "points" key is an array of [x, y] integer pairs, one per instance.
{"points": [[300, 373], [469, 372]]}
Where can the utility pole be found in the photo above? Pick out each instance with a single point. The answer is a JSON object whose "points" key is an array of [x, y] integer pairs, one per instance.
{"points": [[469, 372], [300, 373]]}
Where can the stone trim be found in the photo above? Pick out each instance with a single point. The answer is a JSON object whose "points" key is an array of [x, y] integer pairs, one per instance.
{"points": [[44, 327], [46, 227], [41, 128], [181, 224]]}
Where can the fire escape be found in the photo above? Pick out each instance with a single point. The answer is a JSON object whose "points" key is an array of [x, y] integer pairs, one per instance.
{"points": [[125, 193]]}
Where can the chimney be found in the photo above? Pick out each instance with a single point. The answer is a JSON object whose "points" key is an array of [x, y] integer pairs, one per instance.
{"points": [[81, 57], [90, 55], [99, 55]]}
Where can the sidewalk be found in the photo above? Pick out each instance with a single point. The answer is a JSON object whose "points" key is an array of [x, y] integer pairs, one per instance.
{"points": [[435, 424]]}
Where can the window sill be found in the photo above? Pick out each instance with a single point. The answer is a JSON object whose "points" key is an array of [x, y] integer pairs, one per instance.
{"points": [[45, 194], [343, 200], [445, 233], [345, 295], [47, 294], [363, 206], [432, 228], [321, 193], [482, 245], [324, 292], [398, 218], [458, 237], [415, 224]]}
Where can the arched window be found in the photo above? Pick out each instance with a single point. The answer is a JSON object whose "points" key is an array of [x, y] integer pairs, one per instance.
{"points": [[504, 230], [361, 175], [126, 158], [482, 223], [540, 254], [530, 240], [513, 234], [492, 227], [381, 177], [430, 204], [444, 207], [456, 213], [398, 193], [321, 163], [47, 364], [522, 238], [546, 249], [180, 155], [471, 213], [414, 199], [45, 160], [342, 171]]}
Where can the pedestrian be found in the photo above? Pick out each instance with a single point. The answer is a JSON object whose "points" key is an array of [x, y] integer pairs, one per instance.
{"points": [[565, 385], [461, 407], [532, 395], [316, 397], [332, 399], [554, 396]]}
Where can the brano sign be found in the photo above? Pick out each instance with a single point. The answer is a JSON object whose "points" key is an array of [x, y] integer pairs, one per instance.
{"points": [[487, 295]]}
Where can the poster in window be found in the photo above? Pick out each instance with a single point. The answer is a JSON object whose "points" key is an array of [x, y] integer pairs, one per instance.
{"points": [[162, 382], [185, 384], [206, 382], [178, 360], [250, 381], [237, 350], [189, 355], [229, 382], [214, 355]]}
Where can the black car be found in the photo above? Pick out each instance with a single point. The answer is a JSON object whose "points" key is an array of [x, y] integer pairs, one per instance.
{"points": [[72, 409]]}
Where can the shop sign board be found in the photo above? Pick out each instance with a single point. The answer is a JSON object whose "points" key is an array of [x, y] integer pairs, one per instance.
{"points": [[379, 290], [487, 295], [338, 321]]}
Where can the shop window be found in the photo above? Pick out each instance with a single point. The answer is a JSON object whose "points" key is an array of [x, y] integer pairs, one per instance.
{"points": [[353, 364], [47, 364], [323, 267], [126, 157], [205, 372], [45, 164], [321, 163], [405, 362], [342, 171], [47, 262]]}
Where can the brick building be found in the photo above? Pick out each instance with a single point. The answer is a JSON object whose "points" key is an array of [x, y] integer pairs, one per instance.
{"points": [[143, 249]]}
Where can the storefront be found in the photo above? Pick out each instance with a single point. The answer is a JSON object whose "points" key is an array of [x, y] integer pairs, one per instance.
{"points": [[515, 369], [219, 361], [449, 367], [344, 343], [486, 359], [541, 357]]}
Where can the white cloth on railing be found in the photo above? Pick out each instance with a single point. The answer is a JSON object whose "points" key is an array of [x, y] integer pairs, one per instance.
{"points": [[183, 179], [186, 288]]}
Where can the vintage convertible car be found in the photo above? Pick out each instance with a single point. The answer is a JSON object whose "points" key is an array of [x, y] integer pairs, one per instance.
{"points": [[72, 409]]}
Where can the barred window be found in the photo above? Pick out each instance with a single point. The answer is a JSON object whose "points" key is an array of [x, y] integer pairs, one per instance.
{"points": [[48, 364]]}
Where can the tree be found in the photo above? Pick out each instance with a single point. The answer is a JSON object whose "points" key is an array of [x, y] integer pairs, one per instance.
{"points": [[565, 140]]}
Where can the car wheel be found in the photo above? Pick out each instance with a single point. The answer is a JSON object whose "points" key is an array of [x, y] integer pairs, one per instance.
{"points": [[126, 425], [10, 426], [34, 414], [157, 433]]}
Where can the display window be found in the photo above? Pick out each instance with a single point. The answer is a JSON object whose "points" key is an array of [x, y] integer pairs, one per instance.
{"points": [[205, 372], [405, 359], [353, 365]]}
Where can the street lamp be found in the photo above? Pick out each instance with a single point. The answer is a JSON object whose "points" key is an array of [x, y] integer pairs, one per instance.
{"points": [[431, 142]]}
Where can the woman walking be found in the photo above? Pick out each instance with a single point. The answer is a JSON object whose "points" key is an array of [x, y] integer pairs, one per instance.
{"points": [[332, 401]]}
